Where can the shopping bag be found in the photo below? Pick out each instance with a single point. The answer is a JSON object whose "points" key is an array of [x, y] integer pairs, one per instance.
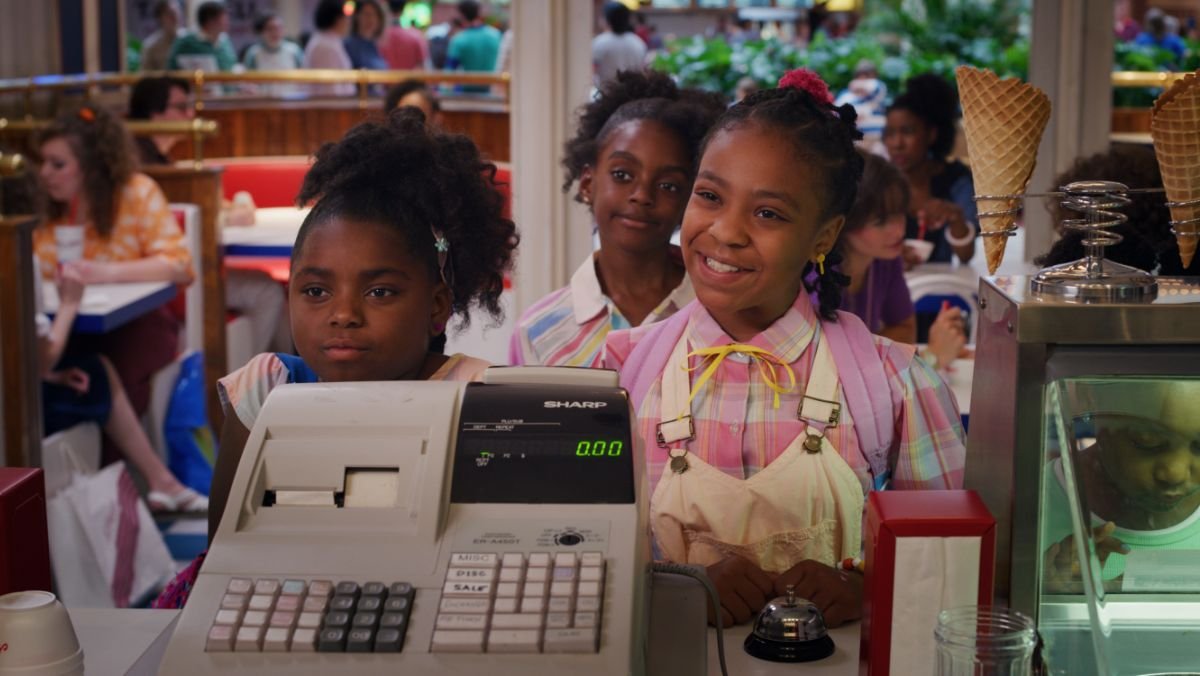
{"points": [[105, 548], [191, 448]]}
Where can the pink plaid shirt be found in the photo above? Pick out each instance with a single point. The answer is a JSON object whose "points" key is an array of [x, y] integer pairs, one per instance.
{"points": [[738, 431]]}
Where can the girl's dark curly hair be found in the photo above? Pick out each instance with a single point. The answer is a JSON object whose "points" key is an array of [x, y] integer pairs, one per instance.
{"points": [[399, 173], [822, 136], [635, 95], [1148, 241], [932, 99], [104, 150]]}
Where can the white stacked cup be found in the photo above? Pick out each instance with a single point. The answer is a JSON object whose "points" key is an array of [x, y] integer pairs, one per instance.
{"points": [[36, 636], [69, 241]]}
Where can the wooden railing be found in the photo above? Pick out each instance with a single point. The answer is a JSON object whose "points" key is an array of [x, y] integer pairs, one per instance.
{"points": [[20, 374], [363, 80]]}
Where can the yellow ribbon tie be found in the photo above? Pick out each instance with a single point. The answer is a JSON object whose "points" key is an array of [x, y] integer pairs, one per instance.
{"points": [[767, 365]]}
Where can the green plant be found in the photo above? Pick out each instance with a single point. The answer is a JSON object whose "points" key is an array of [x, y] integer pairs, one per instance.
{"points": [[1129, 56]]}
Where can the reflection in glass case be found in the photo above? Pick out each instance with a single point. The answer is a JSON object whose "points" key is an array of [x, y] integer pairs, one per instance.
{"points": [[1120, 526], [1091, 417]]}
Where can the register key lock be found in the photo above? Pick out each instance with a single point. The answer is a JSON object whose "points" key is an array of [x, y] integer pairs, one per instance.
{"points": [[430, 528]]}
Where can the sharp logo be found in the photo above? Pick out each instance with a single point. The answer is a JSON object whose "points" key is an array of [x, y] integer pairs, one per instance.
{"points": [[576, 404]]}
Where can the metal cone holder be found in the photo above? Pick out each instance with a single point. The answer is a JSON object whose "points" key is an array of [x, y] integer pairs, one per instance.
{"points": [[1091, 279]]}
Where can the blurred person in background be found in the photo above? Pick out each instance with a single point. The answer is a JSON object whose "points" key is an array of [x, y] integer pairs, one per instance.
{"points": [[403, 48], [326, 48], [209, 49], [157, 47], [617, 48], [366, 28], [475, 47], [272, 51]]}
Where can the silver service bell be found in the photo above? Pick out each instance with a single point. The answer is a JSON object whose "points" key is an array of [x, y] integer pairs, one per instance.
{"points": [[789, 629]]}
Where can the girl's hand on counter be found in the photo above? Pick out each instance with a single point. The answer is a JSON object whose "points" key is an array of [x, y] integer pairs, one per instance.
{"points": [[837, 593], [742, 587]]}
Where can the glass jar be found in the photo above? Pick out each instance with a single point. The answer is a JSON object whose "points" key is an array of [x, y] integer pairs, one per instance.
{"points": [[984, 641]]}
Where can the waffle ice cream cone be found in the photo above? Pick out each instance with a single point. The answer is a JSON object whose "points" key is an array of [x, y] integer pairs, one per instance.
{"points": [[1175, 128], [1004, 121]]}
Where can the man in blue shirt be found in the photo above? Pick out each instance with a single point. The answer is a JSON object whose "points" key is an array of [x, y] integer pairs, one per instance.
{"points": [[475, 47]]}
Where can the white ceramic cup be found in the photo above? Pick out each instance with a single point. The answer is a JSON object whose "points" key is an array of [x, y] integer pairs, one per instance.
{"points": [[36, 636], [69, 240]]}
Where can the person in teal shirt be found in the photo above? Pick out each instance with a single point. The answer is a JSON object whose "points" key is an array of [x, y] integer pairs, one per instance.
{"points": [[208, 50], [1138, 460], [475, 47]]}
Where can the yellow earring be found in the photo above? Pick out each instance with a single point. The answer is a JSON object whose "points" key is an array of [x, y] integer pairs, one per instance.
{"points": [[820, 264]]}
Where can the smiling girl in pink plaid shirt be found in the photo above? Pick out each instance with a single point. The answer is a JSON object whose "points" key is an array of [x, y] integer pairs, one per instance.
{"points": [[768, 415]]}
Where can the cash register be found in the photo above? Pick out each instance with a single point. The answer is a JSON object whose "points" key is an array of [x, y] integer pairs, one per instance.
{"points": [[431, 528]]}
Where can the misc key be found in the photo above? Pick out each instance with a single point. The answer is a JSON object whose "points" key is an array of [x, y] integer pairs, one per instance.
{"points": [[507, 605], [249, 639], [342, 603], [293, 588], [508, 589], [591, 559], [261, 602], [560, 604], [388, 641], [396, 604], [347, 588], [234, 601], [283, 618], [276, 640], [315, 604], [239, 585], [399, 620], [304, 640], [309, 621], [467, 589], [513, 560], [512, 574], [474, 560], [514, 641], [254, 618], [450, 605], [320, 588], [563, 574], [587, 603], [220, 639], [537, 575], [365, 620], [331, 641], [267, 586], [288, 603], [370, 604], [570, 640], [558, 620], [228, 616], [565, 560], [591, 574], [457, 642], [337, 619], [585, 619], [539, 559], [517, 621], [401, 589], [533, 604], [374, 589], [360, 641], [589, 588], [470, 622]]}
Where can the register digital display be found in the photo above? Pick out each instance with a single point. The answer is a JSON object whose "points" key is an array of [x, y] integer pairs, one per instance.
{"points": [[526, 444]]}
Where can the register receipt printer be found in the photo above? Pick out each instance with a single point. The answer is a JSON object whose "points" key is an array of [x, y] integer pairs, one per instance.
{"points": [[429, 528]]}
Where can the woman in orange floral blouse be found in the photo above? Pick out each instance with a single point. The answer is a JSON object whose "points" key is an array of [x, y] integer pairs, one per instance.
{"points": [[89, 177]]}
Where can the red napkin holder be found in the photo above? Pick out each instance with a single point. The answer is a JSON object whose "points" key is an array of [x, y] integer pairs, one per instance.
{"points": [[925, 551]]}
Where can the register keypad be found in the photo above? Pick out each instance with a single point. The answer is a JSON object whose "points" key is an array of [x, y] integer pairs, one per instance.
{"points": [[292, 615], [515, 603]]}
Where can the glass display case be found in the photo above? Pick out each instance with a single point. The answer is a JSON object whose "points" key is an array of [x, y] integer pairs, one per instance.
{"points": [[1119, 531], [1091, 415]]}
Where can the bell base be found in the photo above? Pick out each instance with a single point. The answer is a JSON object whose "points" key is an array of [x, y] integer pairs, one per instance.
{"points": [[788, 651]]}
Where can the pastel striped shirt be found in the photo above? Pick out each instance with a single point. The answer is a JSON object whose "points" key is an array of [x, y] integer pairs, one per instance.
{"points": [[739, 432], [245, 390], [568, 326]]}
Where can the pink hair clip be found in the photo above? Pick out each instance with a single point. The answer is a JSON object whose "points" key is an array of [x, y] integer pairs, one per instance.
{"points": [[807, 81]]}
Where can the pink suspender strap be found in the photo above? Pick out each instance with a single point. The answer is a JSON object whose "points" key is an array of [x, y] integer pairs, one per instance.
{"points": [[865, 386], [649, 357]]}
